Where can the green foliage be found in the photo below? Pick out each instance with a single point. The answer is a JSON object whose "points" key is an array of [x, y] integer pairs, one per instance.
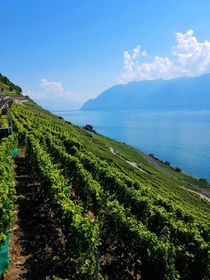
{"points": [[3, 121], [7, 191], [146, 223], [4, 80], [178, 169], [167, 163], [203, 180]]}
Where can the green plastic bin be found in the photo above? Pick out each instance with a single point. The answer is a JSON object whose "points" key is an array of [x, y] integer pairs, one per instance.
{"points": [[15, 152], [4, 256]]}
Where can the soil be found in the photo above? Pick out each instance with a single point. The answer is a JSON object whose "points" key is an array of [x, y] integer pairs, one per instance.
{"points": [[36, 244]]}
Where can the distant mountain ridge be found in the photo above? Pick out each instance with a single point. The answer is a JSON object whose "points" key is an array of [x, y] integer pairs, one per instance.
{"points": [[182, 93]]}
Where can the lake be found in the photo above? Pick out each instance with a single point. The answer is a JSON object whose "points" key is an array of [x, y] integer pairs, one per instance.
{"points": [[180, 137]]}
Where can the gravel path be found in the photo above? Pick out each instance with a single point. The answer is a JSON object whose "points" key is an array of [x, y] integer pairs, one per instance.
{"points": [[134, 164]]}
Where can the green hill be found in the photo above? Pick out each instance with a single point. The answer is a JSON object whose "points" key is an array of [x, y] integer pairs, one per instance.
{"points": [[13, 89], [144, 219]]}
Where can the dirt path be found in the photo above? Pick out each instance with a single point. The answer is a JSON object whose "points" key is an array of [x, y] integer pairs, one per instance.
{"points": [[134, 164], [35, 241], [17, 256]]}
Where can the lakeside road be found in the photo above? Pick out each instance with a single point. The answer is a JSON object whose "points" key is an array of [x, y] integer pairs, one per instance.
{"points": [[155, 164], [202, 193], [134, 164]]}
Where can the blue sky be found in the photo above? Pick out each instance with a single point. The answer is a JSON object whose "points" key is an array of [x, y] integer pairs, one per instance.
{"points": [[64, 52]]}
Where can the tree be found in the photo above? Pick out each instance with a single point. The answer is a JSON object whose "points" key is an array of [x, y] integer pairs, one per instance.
{"points": [[89, 128], [178, 169]]}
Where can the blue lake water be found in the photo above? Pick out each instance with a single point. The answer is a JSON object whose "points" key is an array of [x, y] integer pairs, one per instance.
{"points": [[180, 137]]}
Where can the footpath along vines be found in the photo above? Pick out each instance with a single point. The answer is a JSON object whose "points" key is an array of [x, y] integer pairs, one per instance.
{"points": [[143, 238], [89, 190], [80, 232]]}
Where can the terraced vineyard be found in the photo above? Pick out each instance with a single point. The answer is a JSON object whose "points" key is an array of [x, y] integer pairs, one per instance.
{"points": [[7, 190], [141, 222]]}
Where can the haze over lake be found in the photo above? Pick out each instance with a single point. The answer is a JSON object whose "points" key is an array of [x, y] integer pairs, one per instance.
{"points": [[180, 137]]}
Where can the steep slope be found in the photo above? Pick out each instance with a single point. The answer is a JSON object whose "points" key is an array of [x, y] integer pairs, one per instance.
{"points": [[11, 88], [104, 196], [183, 93]]}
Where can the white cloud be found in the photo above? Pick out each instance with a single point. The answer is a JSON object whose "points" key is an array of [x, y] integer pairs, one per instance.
{"points": [[189, 57], [53, 94], [54, 87]]}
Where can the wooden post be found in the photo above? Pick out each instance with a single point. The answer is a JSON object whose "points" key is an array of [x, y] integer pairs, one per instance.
{"points": [[10, 123], [7, 114], [97, 264]]}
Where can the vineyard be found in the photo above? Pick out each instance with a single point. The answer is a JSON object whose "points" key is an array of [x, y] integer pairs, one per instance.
{"points": [[110, 216]]}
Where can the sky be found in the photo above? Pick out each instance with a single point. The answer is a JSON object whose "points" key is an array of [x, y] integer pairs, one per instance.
{"points": [[65, 52]]}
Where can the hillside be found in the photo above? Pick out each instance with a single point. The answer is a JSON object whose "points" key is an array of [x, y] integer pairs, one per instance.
{"points": [[9, 93], [80, 195], [11, 89], [179, 94]]}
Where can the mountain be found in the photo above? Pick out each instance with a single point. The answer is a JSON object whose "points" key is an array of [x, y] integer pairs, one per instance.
{"points": [[182, 93]]}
